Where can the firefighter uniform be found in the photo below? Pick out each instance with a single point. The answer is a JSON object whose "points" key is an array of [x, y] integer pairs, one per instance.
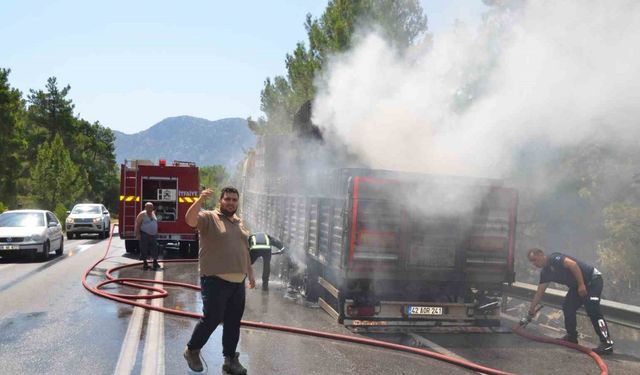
{"points": [[556, 271], [260, 245]]}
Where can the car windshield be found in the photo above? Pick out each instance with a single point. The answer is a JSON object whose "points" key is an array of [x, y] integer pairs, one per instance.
{"points": [[86, 210], [22, 219]]}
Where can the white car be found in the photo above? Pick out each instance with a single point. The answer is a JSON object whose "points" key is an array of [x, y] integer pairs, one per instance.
{"points": [[35, 232], [88, 218]]}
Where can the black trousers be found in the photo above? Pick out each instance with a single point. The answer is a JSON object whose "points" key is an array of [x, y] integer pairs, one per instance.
{"points": [[266, 260], [572, 303], [222, 302], [148, 244]]}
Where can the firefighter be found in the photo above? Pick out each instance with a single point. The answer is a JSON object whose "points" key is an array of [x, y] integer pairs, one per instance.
{"points": [[585, 287], [260, 245]]}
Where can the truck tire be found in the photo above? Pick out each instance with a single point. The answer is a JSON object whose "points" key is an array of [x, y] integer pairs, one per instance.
{"points": [[131, 246], [184, 249], [188, 249], [311, 285], [195, 249]]}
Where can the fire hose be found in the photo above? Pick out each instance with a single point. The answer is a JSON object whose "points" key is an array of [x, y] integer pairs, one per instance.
{"points": [[519, 330], [156, 292]]}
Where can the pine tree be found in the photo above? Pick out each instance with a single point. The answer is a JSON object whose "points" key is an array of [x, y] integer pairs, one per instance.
{"points": [[55, 178]]}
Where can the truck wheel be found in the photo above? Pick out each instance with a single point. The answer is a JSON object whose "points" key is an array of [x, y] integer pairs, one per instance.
{"points": [[184, 249], [131, 246], [311, 286], [195, 249], [70, 235]]}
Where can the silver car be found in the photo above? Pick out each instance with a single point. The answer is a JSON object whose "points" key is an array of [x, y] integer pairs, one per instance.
{"points": [[88, 218], [35, 232]]}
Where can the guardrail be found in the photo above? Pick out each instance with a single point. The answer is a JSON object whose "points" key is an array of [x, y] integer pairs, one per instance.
{"points": [[614, 312]]}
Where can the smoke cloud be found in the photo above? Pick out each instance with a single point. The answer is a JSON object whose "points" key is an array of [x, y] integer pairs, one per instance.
{"points": [[466, 103]]}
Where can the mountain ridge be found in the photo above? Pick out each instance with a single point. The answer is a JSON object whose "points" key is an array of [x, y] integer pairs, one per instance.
{"points": [[188, 138]]}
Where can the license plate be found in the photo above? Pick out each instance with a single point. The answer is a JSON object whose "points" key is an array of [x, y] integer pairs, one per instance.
{"points": [[424, 310], [9, 247]]}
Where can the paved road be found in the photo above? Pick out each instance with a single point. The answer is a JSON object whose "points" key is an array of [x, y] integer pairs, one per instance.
{"points": [[50, 324]]}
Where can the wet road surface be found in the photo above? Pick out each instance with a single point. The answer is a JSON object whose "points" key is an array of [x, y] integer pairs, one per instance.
{"points": [[50, 324]]}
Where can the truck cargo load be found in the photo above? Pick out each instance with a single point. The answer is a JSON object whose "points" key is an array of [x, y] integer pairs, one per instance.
{"points": [[382, 247]]}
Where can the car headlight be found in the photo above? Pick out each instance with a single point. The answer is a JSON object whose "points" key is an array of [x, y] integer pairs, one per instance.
{"points": [[96, 220], [37, 237], [69, 220]]}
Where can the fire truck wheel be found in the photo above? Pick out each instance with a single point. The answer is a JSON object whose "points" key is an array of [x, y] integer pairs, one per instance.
{"points": [[131, 246], [184, 249]]}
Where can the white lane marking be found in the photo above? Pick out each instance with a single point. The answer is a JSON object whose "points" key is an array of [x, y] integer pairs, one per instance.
{"points": [[436, 347], [153, 357], [129, 349]]}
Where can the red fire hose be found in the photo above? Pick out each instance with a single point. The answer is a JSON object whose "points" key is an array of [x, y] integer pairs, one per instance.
{"points": [[603, 366], [161, 293]]}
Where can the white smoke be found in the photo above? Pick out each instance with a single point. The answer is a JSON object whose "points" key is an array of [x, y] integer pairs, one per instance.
{"points": [[557, 71]]}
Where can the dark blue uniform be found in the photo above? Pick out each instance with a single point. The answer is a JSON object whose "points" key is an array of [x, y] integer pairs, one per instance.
{"points": [[555, 271]]}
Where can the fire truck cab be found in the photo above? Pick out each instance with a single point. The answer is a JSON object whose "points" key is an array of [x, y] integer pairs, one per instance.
{"points": [[171, 189]]}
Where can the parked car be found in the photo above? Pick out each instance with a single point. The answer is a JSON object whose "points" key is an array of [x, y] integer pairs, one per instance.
{"points": [[35, 232], [88, 218]]}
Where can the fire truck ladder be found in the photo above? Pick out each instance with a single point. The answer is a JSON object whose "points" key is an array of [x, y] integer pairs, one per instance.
{"points": [[131, 201]]}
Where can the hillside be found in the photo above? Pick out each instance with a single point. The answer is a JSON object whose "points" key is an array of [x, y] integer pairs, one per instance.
{"points": [[189, 139]]}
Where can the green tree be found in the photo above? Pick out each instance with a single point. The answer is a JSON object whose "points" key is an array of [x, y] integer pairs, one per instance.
{"points": [[401, 22], [90, 146], [55, 178], [93, 149], [50, 113], [13, 143], [213, 177], [620, 249]]}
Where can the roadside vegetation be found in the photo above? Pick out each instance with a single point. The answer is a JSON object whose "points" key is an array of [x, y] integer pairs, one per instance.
{"points": [[582, 200], [52, 158]]}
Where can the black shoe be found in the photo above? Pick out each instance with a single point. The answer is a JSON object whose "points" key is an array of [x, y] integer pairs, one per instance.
{"points": [[157, 267], [193, 359], [569, 338], [232, 365], [604, 348], [145, 266]]}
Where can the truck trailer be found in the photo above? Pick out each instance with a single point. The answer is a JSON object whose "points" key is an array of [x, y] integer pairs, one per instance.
{"points": [[171, 189], [387, 248]]}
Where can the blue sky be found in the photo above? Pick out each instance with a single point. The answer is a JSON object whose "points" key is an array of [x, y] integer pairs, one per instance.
{"points": [[131, 64]]}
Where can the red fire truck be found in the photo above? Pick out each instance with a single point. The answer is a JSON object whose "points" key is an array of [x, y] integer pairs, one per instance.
{"points": [[171, 189]]}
